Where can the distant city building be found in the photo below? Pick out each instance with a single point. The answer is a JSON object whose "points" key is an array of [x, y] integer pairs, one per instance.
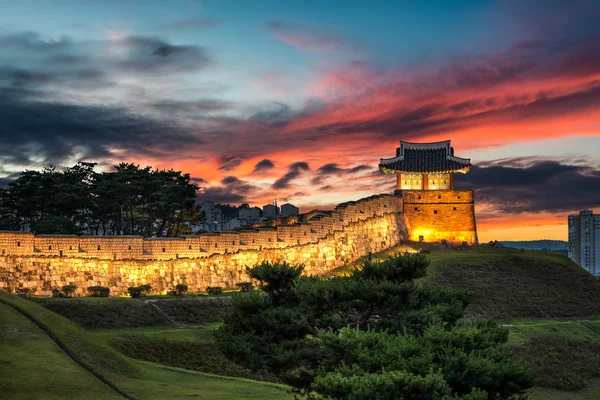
{"points": [[584, 240], [289, 209], [249, 215], [270, 211], [213, 217], [233, 223]]}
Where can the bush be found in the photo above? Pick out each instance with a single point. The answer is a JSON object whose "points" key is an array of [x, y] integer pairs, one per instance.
{"points": [[24, 292], [245, 286], [214, 290], [376, 334], [135, 292], [98, 291], [68, 290], [275, 279], [181, 289], [55, 293], [146, 289]]}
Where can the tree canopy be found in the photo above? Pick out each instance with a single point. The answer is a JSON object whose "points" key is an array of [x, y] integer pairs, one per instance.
{"points": [[129, 200], [379, 333]]}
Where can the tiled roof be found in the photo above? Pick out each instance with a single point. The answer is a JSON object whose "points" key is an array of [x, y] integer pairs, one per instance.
{"points": [[424, 160]]}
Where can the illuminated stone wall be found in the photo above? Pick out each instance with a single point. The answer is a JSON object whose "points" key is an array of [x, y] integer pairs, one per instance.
{"points": [[440, 215], [326, 241]]}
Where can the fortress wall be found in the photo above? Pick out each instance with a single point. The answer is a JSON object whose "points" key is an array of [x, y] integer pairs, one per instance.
{"points": [[323, 242], [16, 243], [111, 247], [337, 249], [440, 215], [56, 245]]}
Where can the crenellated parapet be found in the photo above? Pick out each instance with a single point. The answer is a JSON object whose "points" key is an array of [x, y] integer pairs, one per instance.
{"points": [[316, 226]]}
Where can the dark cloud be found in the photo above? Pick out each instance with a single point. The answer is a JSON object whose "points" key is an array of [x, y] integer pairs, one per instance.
{"points": [[191, 24], [231, 164], [274, 113], [228, 180], [198, 180], [335, 169], [232, 191], [152, 55], [263, 165], [191, 107], [520, 185], [33, 42], [51, 132], [294, 171]]}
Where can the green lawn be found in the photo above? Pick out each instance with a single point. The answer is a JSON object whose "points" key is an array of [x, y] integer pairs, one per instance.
{"points": [[32, 374], [33, 366], [523, 330]]}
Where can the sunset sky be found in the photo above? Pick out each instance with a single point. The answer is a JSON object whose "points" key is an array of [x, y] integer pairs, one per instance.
{"points": [[298, 101]]}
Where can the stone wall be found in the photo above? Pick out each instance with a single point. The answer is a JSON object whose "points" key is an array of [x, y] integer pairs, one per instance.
{"points": [[435, 215], [323, 242]]}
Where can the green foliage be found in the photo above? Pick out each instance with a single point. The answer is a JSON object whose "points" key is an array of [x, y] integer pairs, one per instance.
{"points": [[55, 293], [375, 334], [55, 225], [24, 292], [214, 290], [181, 289], [135, 292], [130, 199], [275, 279], [245, 286], [562, 363], [145, 289], [98, 291], [68, 290], [397, 268]]}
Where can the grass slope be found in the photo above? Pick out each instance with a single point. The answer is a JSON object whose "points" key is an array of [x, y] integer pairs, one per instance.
{"points": [[510, 283], [33, 366], [117, 313], [141, 380]]}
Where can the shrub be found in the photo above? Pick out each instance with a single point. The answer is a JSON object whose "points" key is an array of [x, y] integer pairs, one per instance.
{"points": [[55, 293], [135, 292], [181, 289], [146, 289], [68, 290], [376, 334], [245, 286], [275, 279], [24, 292], [98, 291], [214, 290]]}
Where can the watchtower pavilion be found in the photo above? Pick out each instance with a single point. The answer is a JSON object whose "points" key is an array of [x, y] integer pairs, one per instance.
{"points": [[434, 211], [424, 166]]}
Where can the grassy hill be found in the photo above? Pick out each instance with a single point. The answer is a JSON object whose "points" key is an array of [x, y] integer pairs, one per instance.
{"points": [[509, 283], [49, 372]]}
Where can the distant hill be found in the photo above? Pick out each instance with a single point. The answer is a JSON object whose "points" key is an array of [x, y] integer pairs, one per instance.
{"points": [[548, 245]]}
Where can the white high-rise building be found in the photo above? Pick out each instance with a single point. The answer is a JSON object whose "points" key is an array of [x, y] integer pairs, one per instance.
{"points": [[584, 240]]}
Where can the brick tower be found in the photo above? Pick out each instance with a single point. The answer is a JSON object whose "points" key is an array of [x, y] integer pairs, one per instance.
{"points": [[433, 209]]}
